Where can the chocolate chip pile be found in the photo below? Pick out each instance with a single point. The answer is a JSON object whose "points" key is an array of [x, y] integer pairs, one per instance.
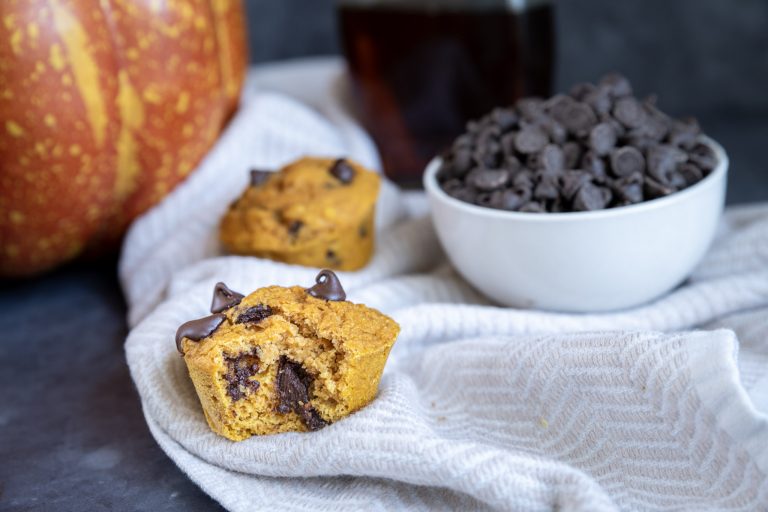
{"points": [[597, 147]]}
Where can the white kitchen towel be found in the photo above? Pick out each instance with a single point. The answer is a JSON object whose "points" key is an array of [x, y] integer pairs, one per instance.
{"points": [[658, 408]]}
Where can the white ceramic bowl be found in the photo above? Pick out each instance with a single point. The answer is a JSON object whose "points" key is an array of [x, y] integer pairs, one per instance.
{"points": [[585, 261]]}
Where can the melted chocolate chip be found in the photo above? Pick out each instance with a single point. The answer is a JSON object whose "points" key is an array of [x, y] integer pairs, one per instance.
{"points": [[259, 177], [327, 287], [342, 171], [362, 231], [240, 369], [293, 393], [254, 314], [196, 330], [224, 298]]}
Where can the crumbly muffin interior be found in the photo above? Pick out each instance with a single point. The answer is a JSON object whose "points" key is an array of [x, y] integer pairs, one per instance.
{"points": [[285, 361]]}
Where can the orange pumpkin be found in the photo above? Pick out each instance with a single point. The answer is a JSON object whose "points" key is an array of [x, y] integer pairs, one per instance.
{"points": [[105, 105]]}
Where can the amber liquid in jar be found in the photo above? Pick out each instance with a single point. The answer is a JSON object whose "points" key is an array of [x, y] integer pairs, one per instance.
{"points": [[420, 74]]}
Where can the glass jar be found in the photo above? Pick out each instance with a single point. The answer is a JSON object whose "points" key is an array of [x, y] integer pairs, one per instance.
{"points": [[421, 69]]}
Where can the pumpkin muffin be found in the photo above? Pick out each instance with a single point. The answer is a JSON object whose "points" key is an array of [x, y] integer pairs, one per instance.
{"points": [[285, 359], [317, 212]]}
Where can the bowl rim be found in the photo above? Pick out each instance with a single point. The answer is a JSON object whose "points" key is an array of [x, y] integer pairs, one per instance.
{"points": [[433, 189]]}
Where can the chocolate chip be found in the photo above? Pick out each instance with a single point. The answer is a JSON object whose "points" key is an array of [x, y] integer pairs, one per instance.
{"points": [[618, 128], [259, 177], [196, 330], [332, 258], [488, 157], [556, 131], [488, 179], [224, 298], [523, 180], [690, 173], [616, 84], [684, 133], [662, 160], [292, 390], [593, 164], [342, 171], [572, 181], [580, 90], [654, 189], [703, 156], [532, 207], [629, 112], [598, 136], [676, 180], [362, 231], [466, 194], [508, 199], [591, 197], [639, 141], [504, 118], [548, 186], [552, 158], [254, 314], [530, 140], [530, 109], [577, 117], [453, 185], [327, 287], [656, 125], [602, 139], [508, 144], [240, 369], [600, 100], [294, 227], [512, 164], [484, 199], [626, 160], [629, 189], [572, 153], [534, 161], [462, 161]]}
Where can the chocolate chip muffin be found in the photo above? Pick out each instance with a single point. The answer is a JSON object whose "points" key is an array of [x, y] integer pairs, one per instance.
{"points": [[285, 359], [317, 212]]}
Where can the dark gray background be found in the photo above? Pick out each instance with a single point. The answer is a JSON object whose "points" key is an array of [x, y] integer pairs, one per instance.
{"points": [[700, 56], [72, 436]]}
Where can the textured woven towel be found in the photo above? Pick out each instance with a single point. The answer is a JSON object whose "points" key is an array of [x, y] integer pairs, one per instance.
{"points": [[658, 408]]}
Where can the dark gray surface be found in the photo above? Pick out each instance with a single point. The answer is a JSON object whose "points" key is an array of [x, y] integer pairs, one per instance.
{"points": [[72, 436]]}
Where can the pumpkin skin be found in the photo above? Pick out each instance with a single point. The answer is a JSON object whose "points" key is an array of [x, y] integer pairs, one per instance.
{"points": [[104, 107]]}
